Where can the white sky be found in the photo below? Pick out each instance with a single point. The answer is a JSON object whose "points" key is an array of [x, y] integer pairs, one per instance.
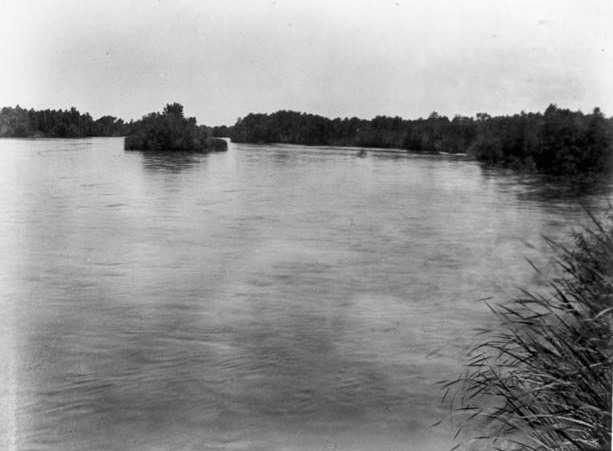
{"points": [[223, 58]]}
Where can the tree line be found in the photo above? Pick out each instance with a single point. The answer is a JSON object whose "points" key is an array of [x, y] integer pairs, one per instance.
{"points": [[169, 130], [19, 122], [556, 141]]}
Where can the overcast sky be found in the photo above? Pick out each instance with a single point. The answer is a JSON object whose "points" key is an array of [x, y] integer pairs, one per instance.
{"points": [[223, 58]]}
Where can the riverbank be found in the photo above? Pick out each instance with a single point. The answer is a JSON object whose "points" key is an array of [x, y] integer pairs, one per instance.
{"points": [[541, 378], [557, 141], [166, 131]]}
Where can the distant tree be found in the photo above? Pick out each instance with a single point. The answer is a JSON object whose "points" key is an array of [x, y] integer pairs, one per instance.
{"points": [[170, 131], [174, 110], [221, 131], [18, 122]]}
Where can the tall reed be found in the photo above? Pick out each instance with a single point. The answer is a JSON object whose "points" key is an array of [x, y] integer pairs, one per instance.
{"points": [[541, 379]]}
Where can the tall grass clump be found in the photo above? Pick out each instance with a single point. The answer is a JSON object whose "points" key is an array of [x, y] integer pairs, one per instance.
{"points": [[541, 378]]}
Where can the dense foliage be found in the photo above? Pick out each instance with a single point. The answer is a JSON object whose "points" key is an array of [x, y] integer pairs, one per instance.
{"points": [[309, 129], [557, 141], [170, 131], [541, 379], [222, 131], [18, 122]]}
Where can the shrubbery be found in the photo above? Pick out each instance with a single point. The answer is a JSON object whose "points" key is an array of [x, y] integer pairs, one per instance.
{"points": [[18, 122], [558, 141], [170, 131]]}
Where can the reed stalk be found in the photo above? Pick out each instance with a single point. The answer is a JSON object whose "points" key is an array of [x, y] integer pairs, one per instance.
{"points": [[541, 378]]}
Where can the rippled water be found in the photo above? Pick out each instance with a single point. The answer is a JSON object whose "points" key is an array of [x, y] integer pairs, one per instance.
{"points": [[268, 298]]}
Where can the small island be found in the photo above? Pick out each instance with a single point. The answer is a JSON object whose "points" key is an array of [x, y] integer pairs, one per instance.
{"points": [[171, 131]]}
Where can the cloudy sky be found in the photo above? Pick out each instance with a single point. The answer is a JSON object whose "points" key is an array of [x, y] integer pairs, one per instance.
{"points": [[225, 58]]}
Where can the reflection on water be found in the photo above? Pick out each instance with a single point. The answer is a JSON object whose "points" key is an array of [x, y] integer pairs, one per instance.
{"points": [[270, 297], [590, 191], [171, 161], [541, 187]]}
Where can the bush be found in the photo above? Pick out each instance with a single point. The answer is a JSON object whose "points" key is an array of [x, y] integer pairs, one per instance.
{"points": [[217, 144], [541, 380], [170, 131]]}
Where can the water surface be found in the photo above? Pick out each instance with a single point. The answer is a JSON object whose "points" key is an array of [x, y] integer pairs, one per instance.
{"points": [[268, 298]]}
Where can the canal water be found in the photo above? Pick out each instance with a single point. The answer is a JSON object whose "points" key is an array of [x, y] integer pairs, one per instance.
{"points": [[265, 298]]}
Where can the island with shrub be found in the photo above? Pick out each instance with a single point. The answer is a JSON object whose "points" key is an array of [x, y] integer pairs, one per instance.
{"points": [[171, 131], [168, 131]]}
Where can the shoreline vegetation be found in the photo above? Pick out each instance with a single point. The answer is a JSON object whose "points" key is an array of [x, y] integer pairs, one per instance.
{"points": [[558, 141], [166, 131], [541, 379]]}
